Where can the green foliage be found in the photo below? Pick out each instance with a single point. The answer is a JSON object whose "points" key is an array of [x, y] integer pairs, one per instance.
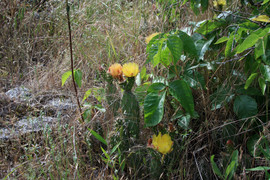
{"points": [[100, 138], [77, 77], [245, 106], [154, 108], [230, 169], [181, 91]]}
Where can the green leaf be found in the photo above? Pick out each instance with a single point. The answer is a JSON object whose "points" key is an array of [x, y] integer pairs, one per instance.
{"points": [[265, 70], [194, 79], [259, 50], [265, 1], [65, 76], [209, 26], [143, 74], [156, 87], [222, 39], [189, 46], [248, 42], [215, 167], [154, 108], [245, 106], [182, 92], [78, 77], [98, 136], [262, 84], [87, 94], [259, 168], [228, 48], [230, 170], [205, 47], [182, 120], [160, 53], [175, 45], [250, 79]]}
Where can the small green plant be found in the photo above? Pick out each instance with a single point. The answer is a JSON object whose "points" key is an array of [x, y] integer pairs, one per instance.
{"points": [[230, 169], [264, 148]]}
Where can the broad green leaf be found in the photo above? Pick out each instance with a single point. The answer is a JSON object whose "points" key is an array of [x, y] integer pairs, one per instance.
{"points": [[209, 26], [65, 76], [189, 46], [205, 47], [78, 77], [245, 106], [248, 42], [98, 136], [182, 92], [215, 167], [265, 70], [153, 47], [222, 39], [250, 79], [166, 57], [194, 79], [175, 45], [262, 84], [182, 120], [156, 87], [158, 56], [259, 168], [154, 108]]}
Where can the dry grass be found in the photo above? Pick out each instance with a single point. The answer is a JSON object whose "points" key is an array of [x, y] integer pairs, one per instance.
{"points": [[34, 52]]}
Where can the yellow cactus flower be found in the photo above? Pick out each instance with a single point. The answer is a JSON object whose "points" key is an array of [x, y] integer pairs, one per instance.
{"points": [[219, 3], [115, 71], [261, 18], [148, 38], [162, 143], [130, 69]]}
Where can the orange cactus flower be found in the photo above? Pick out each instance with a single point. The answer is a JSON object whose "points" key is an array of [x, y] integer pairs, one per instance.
{"points": [[130, 69], [115, 71]]}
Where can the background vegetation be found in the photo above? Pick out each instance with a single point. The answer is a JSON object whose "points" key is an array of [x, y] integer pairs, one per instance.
{"points": [[204, 81]]}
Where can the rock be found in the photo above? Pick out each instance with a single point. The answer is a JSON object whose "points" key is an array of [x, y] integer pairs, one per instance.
{"points": [[27, 125], [19, 93]]}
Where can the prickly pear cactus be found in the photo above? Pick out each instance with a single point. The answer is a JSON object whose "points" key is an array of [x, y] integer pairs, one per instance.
{"points": [[131, 110], [111, 92]]}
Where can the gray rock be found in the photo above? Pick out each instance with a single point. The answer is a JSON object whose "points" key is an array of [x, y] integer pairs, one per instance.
{"points": [[19, 93]]}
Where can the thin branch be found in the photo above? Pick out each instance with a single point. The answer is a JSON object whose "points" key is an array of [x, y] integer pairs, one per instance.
{"points": [[71, 60]]}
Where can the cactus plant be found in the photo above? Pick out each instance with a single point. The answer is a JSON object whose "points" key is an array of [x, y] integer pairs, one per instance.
{"points": [[130, 109]]}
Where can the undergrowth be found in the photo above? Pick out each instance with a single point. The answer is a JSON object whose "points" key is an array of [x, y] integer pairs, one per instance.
{"points": [[200, 99]]}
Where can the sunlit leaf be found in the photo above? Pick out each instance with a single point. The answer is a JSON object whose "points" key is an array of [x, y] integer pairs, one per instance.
{"points": [[261, 18], [65, 76], [248, 42], [250, 79]]}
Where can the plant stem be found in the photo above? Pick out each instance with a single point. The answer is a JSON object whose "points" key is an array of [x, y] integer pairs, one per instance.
{"points": [[71, 60]]}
